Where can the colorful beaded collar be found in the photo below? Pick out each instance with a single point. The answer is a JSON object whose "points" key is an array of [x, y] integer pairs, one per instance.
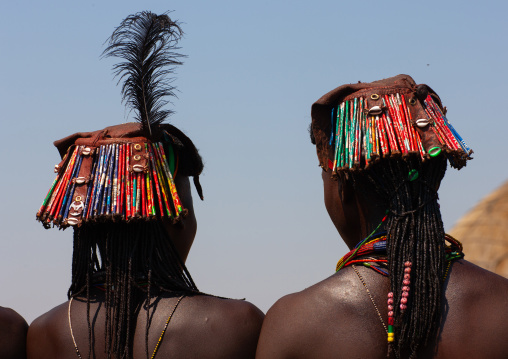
{"points": [[372, 253]]}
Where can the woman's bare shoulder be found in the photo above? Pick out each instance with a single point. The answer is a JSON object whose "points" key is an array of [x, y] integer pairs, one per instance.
{"points": [[51, 318], [46, 332], [466, 277], [322, 313], [207, 326], [239, 315], [13, 329]]}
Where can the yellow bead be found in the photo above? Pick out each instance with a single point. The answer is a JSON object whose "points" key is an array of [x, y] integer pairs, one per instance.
{"points": [[390, 339]]}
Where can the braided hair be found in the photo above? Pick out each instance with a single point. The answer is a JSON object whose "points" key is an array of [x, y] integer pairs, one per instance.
{"points": [[133, 262], [415, 233]]}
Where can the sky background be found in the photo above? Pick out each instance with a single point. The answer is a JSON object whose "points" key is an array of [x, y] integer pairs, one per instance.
{"points": [[245, 91]]}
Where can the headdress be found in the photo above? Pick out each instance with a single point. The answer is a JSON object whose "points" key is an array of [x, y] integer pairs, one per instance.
{"points": [[125, 172], [355, 125]]}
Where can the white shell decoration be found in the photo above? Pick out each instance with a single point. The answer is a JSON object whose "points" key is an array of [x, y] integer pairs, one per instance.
{"points": [[422, 122], [72, 221], [138, 168], [375, 110], [80, 180], [86, 151]]}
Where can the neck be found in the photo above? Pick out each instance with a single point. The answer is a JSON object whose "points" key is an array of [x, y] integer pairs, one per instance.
{"points": [[366, 220]]}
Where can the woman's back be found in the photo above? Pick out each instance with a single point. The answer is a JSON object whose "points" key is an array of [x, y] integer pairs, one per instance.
{"points": [[337, 318], [201, 327]]}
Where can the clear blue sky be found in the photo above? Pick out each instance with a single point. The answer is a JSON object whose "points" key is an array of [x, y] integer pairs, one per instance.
{"points": [[253, 71]]}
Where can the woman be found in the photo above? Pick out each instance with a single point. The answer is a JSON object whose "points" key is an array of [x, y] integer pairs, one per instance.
{"points": [[403, 290], [125, 190]]}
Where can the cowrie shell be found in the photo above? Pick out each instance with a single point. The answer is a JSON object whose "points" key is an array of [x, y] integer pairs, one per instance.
{"points": [[72, 221], [138, 168], [422, 122], [375, 110]]}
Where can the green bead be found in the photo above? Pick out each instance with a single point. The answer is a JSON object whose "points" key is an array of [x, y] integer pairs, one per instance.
{"points": [[413, 174]]}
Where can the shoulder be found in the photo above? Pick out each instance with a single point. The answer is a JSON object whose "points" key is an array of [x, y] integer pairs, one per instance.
{"points": [[240, 317], [473, 287], [338, 293], [13, 329], [225, 327], [232, 311], [318, 314], [46, 332], [50, 320], [476, 312], [12, 321], [467, 279]]}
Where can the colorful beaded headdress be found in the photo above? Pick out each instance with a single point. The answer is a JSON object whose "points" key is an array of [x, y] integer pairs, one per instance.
{"points": [[355, 125], [126, 172]]}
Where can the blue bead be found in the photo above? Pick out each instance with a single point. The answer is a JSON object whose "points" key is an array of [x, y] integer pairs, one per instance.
{"points": [[379, 246]]}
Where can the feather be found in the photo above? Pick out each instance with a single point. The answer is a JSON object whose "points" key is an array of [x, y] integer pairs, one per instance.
{"points": [[147, 43]]}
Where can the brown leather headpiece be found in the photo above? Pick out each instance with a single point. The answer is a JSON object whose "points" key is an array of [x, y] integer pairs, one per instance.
{"points": [[119, 173], [356, 124]]}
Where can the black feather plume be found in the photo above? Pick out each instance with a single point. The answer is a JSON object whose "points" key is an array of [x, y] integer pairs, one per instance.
{"points": [[147, 42]]}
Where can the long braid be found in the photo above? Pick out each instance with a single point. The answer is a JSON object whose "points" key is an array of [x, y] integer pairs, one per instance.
{"points": [[415, 233], [88, 274], [129, 253]]}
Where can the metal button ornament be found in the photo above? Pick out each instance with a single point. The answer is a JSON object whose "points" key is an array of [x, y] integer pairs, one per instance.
{"points": [[374, 96], [137, 147], [77, 207]]}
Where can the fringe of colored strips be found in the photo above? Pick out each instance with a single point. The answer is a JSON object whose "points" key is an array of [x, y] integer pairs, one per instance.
{"points": [[362, 135], [115, 188]]}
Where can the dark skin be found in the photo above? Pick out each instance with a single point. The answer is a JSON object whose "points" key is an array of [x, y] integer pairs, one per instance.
{"points": [[202, 326], [13, 329], [335, 318]]}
